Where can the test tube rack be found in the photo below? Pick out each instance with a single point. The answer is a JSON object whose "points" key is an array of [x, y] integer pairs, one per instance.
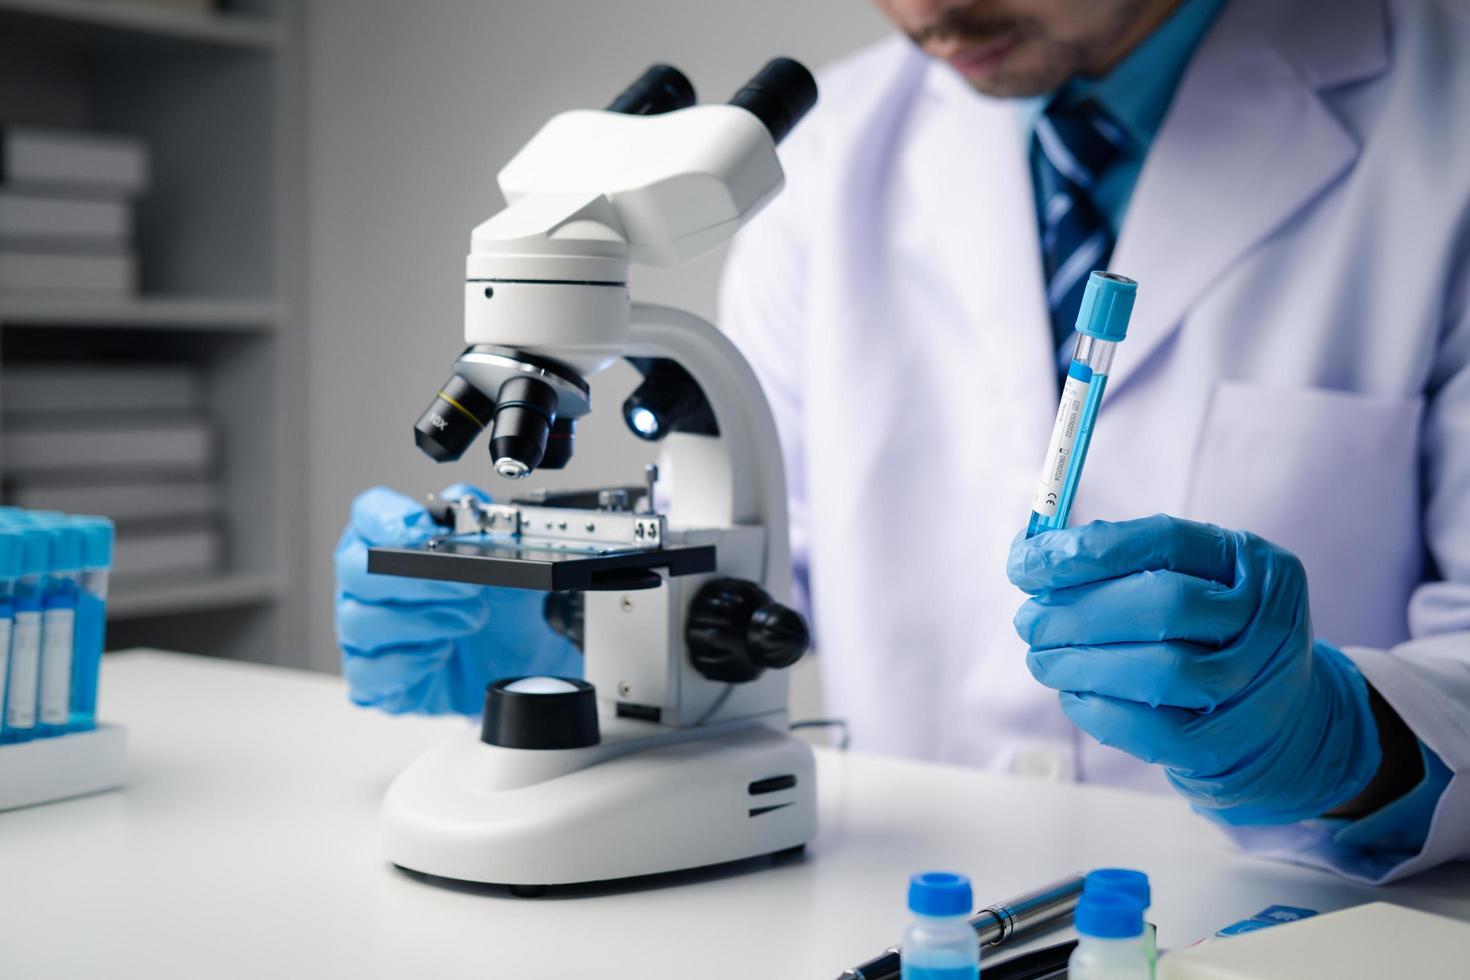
{"points": [[76, 764]]}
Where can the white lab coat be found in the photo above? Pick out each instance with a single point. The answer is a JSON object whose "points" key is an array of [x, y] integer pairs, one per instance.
{"points": [[1298, 366]]}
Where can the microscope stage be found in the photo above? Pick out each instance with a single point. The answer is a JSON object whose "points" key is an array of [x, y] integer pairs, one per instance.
{"points": [[507, 562]]}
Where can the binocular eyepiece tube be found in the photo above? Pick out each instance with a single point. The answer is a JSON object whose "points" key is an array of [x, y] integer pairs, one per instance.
{"points": [[778, 95]]}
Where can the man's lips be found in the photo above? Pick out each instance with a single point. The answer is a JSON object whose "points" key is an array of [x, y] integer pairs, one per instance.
{"points": [[981, 59]]}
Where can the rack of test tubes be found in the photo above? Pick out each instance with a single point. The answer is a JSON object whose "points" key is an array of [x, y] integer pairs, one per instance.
{"points": [[53, 605]]}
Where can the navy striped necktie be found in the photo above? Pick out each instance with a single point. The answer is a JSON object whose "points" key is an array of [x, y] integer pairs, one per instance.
{"points": [[1076, 145]]}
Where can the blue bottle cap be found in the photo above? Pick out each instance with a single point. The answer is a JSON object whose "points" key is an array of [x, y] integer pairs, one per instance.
{"points": [[940, 893], [1124, 880], [97, 541], [11, 543], [1107, 303], [1109, 915]]}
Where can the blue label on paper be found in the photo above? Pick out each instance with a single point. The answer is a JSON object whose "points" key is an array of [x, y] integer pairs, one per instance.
{"points": [[1273, 915]]}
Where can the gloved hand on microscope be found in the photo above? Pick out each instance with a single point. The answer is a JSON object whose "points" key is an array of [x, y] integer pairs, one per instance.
{"points": [[421, 645]]}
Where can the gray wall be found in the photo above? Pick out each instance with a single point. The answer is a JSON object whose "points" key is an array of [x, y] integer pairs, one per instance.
{"points": [[411, 109]]}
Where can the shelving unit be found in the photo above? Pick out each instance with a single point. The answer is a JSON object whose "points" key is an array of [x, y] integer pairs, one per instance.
{"points": [[217, 99], [242, 30], [148, 312]]}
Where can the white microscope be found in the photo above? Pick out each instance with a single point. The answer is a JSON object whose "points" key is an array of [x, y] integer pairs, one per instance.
{"points": [[673, 753]]}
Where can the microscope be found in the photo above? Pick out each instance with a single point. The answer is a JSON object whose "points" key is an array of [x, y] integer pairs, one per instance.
{"points": [[673, 752]]}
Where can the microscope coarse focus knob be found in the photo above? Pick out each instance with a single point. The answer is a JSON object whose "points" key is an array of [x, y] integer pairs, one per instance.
{"points": [[540, 713], [736, 631]]}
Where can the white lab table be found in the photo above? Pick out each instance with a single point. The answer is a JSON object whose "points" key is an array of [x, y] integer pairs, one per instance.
{"points": [[246, 845]]}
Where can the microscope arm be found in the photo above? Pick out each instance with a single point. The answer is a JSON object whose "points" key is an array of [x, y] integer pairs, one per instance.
{"points": [[738, 478]]}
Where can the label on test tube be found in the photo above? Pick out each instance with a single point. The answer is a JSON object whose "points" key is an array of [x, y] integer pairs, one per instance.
{"points": [[25, 657], [1063, 440], [55, 696], [5, 630]]}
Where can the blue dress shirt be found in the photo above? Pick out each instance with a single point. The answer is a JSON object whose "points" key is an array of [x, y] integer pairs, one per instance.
{"points": [[1136, 95]]}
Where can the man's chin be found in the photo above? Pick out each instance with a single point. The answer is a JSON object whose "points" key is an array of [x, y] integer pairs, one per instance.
{"points": [[1017, 83], [1024, 76]]}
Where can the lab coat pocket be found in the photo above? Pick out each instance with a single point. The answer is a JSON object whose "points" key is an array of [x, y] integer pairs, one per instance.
{"points": [[1332, 476]]}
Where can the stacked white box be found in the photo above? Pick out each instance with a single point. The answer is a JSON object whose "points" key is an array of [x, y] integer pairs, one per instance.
{"points": [[130, 441], [66, 222]]}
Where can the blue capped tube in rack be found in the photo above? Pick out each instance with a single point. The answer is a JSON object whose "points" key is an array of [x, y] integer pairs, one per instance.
{"points": [[97, 545], [1102, 322], [25, 638], [10, 565], [58, 624]]}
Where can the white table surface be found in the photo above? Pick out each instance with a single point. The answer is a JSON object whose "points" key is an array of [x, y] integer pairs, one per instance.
{"points": [[246, 845]]}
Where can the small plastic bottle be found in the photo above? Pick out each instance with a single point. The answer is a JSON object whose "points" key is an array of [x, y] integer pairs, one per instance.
{"points": [[97, 543], [940, 944], [1109, 938], [1134, 883]]}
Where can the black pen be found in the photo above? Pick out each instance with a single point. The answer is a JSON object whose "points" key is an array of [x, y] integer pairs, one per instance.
{"points": [[1031, 911]]}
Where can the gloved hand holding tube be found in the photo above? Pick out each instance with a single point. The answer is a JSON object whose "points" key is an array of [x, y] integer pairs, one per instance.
{"points": [[427, 646], [1191, 646]]}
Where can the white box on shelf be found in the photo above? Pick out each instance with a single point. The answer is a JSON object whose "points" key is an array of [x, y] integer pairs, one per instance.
{"points": [[123, 501], [95, 387], [172, 551], [58, 768], [68, 273], [46, 218], [87, 162], [50, 443]]}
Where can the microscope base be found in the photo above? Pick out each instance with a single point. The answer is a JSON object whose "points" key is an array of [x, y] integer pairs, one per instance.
{"points": [[668, 801]]}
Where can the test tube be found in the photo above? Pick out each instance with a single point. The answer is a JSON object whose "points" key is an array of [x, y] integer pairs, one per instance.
{"points": [[10, 564], [58, 624], [97, 544], [25, 640], [1102, 321]]}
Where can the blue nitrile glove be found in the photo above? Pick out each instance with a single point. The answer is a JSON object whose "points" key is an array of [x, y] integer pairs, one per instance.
{"points": [[412, 644], [1191, 646]]}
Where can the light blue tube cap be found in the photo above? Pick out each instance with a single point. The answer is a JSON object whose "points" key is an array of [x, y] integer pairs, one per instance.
{"points": [[97, 541], [1107, 303], [63, 543], [34, 551], [11, 543]]}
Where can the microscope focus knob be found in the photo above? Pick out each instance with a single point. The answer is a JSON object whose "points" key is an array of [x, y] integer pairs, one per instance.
{"points": [[736, 631]]}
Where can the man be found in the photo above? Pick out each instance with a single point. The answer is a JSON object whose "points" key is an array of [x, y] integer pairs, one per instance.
{"points": [[1290, 184]]}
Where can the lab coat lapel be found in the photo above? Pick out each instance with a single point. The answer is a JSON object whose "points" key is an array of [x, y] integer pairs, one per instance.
{"points": [[985, 236], [1246, 145]]}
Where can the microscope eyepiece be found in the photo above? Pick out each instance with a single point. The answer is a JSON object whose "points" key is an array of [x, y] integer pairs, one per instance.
{"points": [[525, 411], [663, 88], [457, 414], [779, 95]]}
